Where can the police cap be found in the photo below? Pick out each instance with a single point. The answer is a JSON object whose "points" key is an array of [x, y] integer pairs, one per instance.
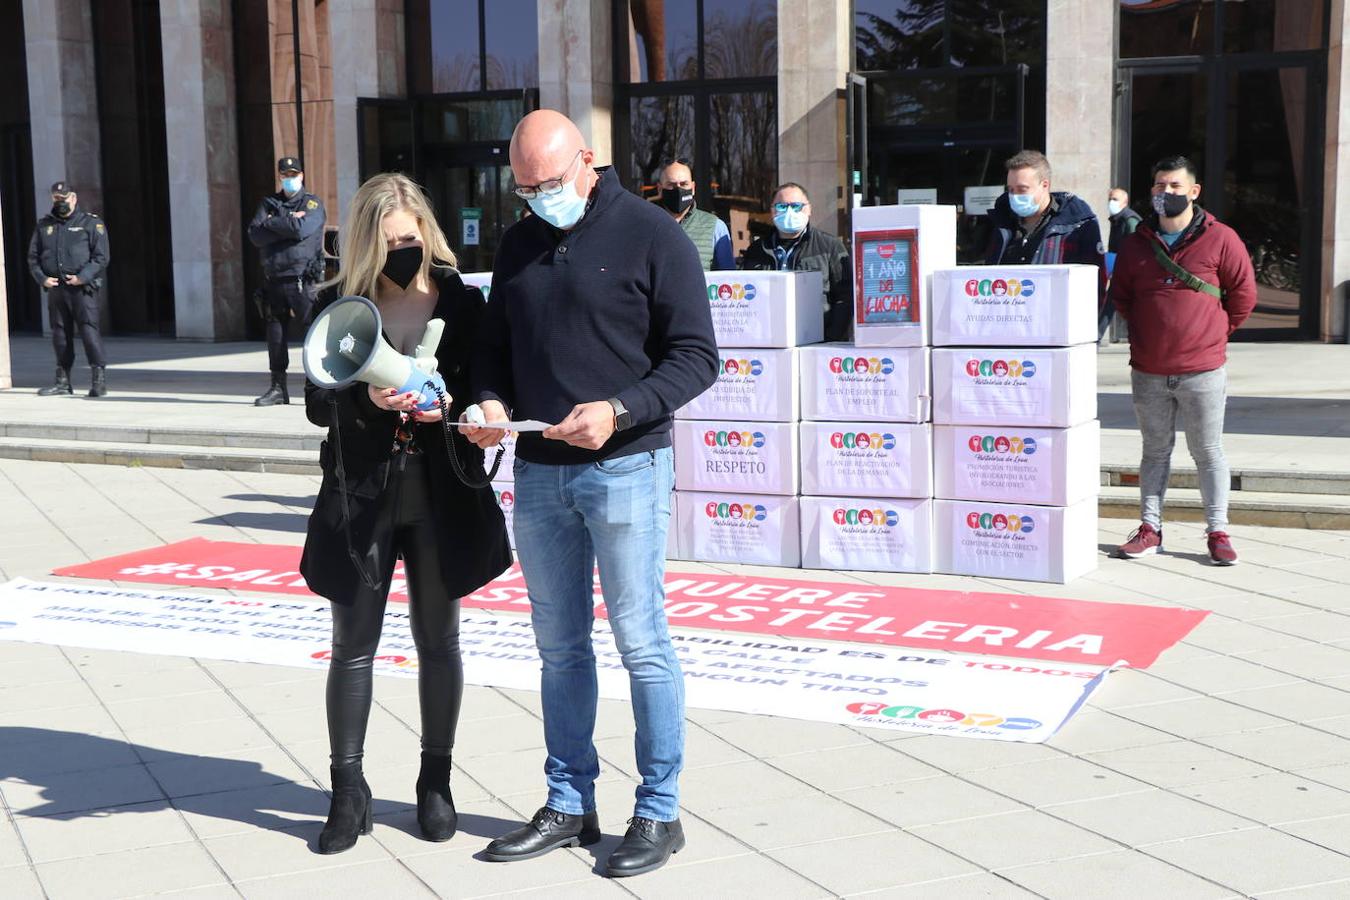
{"points": [[63, 187], [289, 164]]}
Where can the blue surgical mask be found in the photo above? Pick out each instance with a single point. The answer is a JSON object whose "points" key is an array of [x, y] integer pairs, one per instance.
{"points": [[291, 185], [561, 210], [791, 221], [1024, 205], [1114, 207]]}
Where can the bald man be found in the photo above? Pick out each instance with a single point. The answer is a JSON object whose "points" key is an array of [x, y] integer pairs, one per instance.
{"points": [[599, 321], [711, 237]]}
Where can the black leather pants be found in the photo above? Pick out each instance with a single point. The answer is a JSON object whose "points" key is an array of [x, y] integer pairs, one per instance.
{"points": [[434, 622]]}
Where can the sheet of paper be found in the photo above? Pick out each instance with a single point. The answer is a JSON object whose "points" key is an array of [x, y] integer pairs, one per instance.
{"points": [[522, 425]]}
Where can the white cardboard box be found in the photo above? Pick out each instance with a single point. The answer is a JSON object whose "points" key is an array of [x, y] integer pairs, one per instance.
{"points": [[506, 499], [739, 528], [737, 456], [1009, 540], [1023, 306], [1050, 466], [840, 459], [754, 384], [842, 382], [766, 309], [892, 306], [481, 280], [876, 535], [1045, 386]]}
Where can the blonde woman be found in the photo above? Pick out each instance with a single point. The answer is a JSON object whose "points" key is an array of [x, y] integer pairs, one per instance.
{"points": [[389, 490]]}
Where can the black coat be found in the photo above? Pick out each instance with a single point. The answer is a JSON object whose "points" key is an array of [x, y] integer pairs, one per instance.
{"points": [[815, 251], [470, 526], [75, 245], [290, 246]]}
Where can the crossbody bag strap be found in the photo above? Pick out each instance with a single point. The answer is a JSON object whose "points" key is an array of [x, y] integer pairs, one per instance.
{"points": [[1191, 281]]}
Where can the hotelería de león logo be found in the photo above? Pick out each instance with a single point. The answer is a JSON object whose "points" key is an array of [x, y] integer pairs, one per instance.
{"points": [[1000, 288], [1001, 444]]}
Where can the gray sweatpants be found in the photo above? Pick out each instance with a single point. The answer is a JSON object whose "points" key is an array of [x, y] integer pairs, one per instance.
{"points": [[1200, 398]]}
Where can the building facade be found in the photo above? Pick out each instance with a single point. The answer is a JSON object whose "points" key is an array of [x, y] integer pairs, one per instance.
{"points": [[168, 116]]}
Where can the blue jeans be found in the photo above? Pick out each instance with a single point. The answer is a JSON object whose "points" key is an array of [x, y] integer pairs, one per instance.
{"points": [[568, 519], [1200, 398]]}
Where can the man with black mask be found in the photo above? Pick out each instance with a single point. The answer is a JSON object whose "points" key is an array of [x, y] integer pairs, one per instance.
{"points": [[288, 232], [67, 257], [710, 235]]}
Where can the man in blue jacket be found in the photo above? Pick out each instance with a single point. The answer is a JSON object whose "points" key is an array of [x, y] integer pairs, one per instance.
{"points": [[599, 322], [1034, 225], [288, 232]]}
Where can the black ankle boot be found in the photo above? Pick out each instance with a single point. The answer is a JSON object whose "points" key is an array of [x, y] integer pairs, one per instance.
{"points": [[435, 807], [276, 394], [60, 386], [99, 385], [349, 813]]}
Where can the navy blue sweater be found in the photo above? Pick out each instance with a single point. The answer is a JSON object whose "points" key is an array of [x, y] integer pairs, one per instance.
{"points": [[616, 307]]}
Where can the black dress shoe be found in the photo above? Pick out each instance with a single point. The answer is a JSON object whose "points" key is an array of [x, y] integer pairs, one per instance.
{"points": [[548, 830], [647, 846]]}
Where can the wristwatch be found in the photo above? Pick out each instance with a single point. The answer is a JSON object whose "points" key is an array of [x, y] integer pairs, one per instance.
{"points": [[623, 419]]}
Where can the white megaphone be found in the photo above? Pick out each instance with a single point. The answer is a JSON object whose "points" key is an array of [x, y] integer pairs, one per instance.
{"points": [[346, 343]]}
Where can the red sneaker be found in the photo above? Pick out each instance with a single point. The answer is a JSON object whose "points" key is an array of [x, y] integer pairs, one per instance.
{"points": [[1145, 541], [1221, 552]]}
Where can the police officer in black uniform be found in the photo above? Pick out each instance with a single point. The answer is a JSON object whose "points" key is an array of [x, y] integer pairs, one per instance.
{"points": [[67, 257], [288, 232]]}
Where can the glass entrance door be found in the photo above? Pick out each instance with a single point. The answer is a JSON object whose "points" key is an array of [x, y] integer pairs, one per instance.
{"points": [[1253, 126]]}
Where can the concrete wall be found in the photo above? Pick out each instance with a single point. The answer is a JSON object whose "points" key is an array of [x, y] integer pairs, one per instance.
{"points": [[1080, 81], [815, 49], [368, 51], [1332, 324], [203, 193], [576, 53]]}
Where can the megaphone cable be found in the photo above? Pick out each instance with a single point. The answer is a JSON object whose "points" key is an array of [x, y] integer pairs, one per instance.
{"points": [[447, 431]]}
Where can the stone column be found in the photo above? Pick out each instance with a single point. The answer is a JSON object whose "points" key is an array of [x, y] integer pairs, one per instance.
{"points": [[1332, 324], [63, 103], [1080, 77], [576, 74], [814, 55], [368, 60], [204, 175]]}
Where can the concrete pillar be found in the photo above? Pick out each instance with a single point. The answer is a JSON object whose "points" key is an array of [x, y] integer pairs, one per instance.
{"points": [[814, 54], [576, 74], [1332, 324], [204, 176], [63, 103], [368, 60], [1080, 97]]}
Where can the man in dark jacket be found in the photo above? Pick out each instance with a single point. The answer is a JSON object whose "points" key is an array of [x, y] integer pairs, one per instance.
{"points": [[1034, 225], [794, 246], [1123, 221], [1184, 283], [288, 232], [67, 258], [599, 321]]}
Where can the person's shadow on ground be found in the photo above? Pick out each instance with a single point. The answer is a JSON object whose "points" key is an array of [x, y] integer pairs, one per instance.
{"points": [[81, 775]]}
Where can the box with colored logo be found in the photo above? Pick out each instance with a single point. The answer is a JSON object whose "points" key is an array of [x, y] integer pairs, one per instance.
{"points": [[875, 535], [739, 528], [1013, 540], [845, 383], [506, 499], [896, 249], [753, 384], [1017, 464], [1015, 306], [1051, 387], [480, 280], [893, 459], [766, 309], [749, 457]]}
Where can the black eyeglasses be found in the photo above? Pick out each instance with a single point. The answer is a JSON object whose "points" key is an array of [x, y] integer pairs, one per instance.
{"points": [[547, 188]]}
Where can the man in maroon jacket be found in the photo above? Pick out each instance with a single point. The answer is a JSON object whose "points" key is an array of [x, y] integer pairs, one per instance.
{"points": [[1184, 283]]}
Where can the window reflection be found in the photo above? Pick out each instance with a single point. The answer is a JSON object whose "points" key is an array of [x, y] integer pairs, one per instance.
{"points": [[1166, 28], [740, 39], [512, 44], [1273, 25]]}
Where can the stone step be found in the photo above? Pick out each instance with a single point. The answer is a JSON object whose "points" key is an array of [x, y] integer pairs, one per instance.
{"points": [[1279, 481], [170, 456], [1275, 509], [47, 432]]}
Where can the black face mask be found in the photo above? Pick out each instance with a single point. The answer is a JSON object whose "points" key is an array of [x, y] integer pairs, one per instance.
{"points": [[61, 209], [1169, 206], [401, 265], [676, 199]]}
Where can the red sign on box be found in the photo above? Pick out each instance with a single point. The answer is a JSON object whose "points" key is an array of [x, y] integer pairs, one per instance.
{"points": [[1043, 628]]}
